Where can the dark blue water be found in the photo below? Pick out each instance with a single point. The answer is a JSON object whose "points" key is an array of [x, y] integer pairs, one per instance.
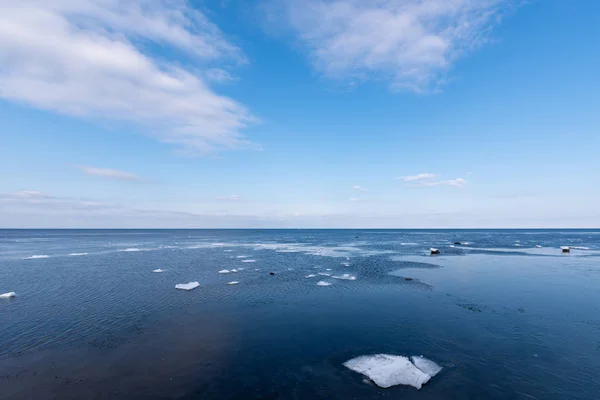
{"points": [[506, 319]]}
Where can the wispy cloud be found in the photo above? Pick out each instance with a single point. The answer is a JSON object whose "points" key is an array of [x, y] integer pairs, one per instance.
{"points": [[458, 182], [353, 200], [89, 58], [360, 188], [27, 199], [416, 178], [229, 198], [411, 43], [109, 173]]}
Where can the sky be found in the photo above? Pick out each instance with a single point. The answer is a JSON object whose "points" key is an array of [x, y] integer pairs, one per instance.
{"points": [[299, 114]]}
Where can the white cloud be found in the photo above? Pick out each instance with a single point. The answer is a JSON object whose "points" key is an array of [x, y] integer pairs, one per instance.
{"points": [[458, 182], [352, 199], [411, 43], [229, 198], [416, 178], [360, 188], [109, 173], [89, 58]]}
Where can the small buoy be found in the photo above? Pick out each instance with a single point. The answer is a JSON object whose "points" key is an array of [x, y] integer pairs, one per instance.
{"points": [[565, 249], [434, 251]]}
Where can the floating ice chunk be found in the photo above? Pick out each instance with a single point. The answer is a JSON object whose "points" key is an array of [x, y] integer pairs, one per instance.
{"points": [[580, 248], [324, 274], [130, 249], [434, 251], [517, 245], [36, 257], [233, 283], [8, 295], [227, 251], [242, 257], [218, 244], [346, 264], [538, 246], [158, 270], [248, 261], [328, 269], [387, 371], [187, 286], [451, 246], [565, 249], [346, 277], [234, 270], [310, 276], [257, 269], [78, 254], [323, 283], [224, 271], [425, 365]]}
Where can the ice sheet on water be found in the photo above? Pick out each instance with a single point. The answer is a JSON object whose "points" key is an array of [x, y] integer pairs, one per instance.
{"points": [[7, 295], [241, 256], [324, 274], [248, 261], [310, 276], [224, 271], [241, 269], [35, 257], [234, 270], [78, 254], [346, 277], [187, 286], [129, 249], [233, 283], [323, 283], [388, 370], [327, 269], [425, 365], [158, 270]]}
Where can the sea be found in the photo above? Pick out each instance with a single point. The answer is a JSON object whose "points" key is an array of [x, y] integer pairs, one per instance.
{"points": [[505, 313]]}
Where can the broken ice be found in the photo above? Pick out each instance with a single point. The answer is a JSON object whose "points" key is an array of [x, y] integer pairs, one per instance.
{"points": [[224, 271], [347, 277], [158, 270], [7, 295], [323, 283], [233, 283], [187, 286]]}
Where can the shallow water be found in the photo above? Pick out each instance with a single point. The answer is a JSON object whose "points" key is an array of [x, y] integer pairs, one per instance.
{"points": [[504, 321]]}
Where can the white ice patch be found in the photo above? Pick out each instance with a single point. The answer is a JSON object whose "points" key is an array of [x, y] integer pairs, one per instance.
{"points": [[233, 283], [409, 244], [227, 251], [538, 246], [158, 270], [425, 365], [310, 276], [328, 269], [387, 370], [36, 257], [248, 261], [517, 245], [130, 249], [242, 257], [187, 286], [224, 271], [78, 254], [218, 244], [346, 277], [346, 264], [324, 274], [580, 248], [8, 295], [241, 269], [234, 270], [323, 283]]}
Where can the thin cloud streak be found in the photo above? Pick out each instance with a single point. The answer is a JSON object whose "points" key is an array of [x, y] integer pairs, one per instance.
{"points": [[360, 188], [415, 178], [109, 173]]}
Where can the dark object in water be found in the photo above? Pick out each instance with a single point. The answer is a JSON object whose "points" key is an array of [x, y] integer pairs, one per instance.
{"points": [[271, 273], [434, 251], [408, 279], [459, 243], [566, 249]]}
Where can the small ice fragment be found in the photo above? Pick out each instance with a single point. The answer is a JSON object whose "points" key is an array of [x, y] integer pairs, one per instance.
{"points": [[227, 251], [187, 286], [328, 269], [8, 295], [158, 270], [242, 257], [538, 246], [425, 365], [218, 244], [310, 276], [346, 265], [36, 257], [233, 283], [290, 269], [451, 246], [130, 249], [240, 269], [224, 271], [233, 270], [346, 277], [323, 283], [248, 261], [517, 245], [387, 370], [518, 241], [78, 254], [257, 269], [324, 274]]}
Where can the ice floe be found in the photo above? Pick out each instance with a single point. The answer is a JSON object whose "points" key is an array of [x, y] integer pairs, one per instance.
{"points": [[36, 257], [130, 249], [158, 270], [224, 271], [538, 246], [234, 270], [346, 277], [241, 257], [78, 254], [310, 276], [233, 283], [324, 274], [328, 269], [187, 286], [425, 365], [248, 261], [323, 283], [8, 295], [388, 370]]}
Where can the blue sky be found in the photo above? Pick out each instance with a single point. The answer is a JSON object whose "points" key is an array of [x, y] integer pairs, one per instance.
{"points": [[299, 113]]}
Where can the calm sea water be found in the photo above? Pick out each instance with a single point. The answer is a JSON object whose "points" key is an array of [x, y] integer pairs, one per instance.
{"points": [[506, 319]]}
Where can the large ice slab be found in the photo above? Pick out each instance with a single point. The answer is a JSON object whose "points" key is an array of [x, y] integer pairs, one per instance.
{"points": [[425, 365], [388, 370], [224, 271], [7, 295], [187, 286], [36, 257]]}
